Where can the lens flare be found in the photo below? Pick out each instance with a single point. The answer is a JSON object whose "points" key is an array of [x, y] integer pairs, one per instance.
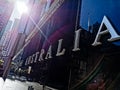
{"points": [[21, 7]]}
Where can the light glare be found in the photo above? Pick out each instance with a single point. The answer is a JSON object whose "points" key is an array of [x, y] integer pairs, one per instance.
{"points": [[21, 7]]}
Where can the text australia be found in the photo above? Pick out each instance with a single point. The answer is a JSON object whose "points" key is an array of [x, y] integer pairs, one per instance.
{"points": [[39, 56]]}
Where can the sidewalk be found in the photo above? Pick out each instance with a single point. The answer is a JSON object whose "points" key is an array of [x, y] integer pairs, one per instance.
{"points": [[18, 85], [1, 83], [9, 84]]}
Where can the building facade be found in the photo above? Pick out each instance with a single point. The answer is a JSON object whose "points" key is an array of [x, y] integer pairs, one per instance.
{"points": [[74, 46], [5, 13]]}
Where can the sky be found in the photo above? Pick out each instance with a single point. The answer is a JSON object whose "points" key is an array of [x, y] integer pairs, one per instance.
{"points": [[94, 11]]}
